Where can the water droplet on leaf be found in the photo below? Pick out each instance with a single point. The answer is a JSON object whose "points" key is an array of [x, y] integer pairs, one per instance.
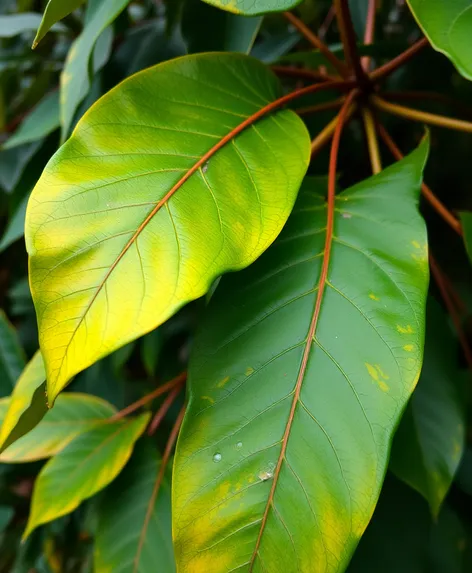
{"points": [[217, 458]]}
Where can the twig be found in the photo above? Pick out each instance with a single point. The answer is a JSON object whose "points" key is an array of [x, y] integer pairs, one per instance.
{"points": [[325, 106], [327, 132], [390, 67], [303, 74], [369, 31], [431, 96], [326, 23], [162, 411], [372, 142]]}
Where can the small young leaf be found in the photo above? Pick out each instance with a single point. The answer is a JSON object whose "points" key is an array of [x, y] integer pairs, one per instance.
{"points": [[131, 510], [73, 414], [12, 357], [27, 405], [14, 24], [287, 434], [252, 7], [166, 222], [447, 25], [86, 465], [55, 11], [429, 442]]}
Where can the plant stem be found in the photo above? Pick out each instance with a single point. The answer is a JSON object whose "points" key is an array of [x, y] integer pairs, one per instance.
{"points": [[303, 74], [325, 106], [435, 203], [431, 96], [369, 31], [348, 37], [423, 116], [327, 132], [448, 301], [162, 411], [326, 23], [389, 67], [333, 160], [177, 381], [339, 65], [372, 141]]}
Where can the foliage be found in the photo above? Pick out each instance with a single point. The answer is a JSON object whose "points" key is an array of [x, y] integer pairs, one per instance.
{"points": [[219, 346]]}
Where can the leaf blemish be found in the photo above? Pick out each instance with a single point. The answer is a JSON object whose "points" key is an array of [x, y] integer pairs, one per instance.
{"points": [[208, 398], [222, 383], [405, 329], [249, 371], [372, 296], [409, 347]]}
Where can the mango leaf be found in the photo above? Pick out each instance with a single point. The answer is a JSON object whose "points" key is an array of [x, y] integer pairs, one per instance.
{"points": [[293, 396], [86, 465], [447, 25], [254, 7], [27, 405], [42, 121], [117, 204], [75, 82], [14, 24], [466, 220], [55, 11], [12, 357], [429, 443], [134, 533], [72, 415]]}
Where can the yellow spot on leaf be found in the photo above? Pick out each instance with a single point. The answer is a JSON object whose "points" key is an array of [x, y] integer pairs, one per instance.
{"points": [[222, 383], [384, 387], [409, 347], [405, 329], [382, 373], [373, 297], [209, 398], [416, 244], [372, 371], [249, 371], [377, 374]]}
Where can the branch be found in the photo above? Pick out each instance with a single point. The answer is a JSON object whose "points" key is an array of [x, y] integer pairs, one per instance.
{"points": [[325, 134], [369, 31], [338, 65], [431, 96], [303, 74], [372, 142], [435, 203], [162, 411], [388, 68], [423, 116]]}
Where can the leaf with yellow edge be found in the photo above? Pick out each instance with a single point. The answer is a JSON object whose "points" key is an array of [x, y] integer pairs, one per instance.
{"points": [[254, 7], [163, 186], [86, 465]]}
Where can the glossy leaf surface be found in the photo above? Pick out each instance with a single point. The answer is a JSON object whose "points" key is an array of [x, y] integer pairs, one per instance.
{"points": [[27, 405], [447, 24], [140, 195], [286, 439], [254, 7], [134, 524], [73, 414], [12, 358], [55, 11], [87, 464], [429, 443]]}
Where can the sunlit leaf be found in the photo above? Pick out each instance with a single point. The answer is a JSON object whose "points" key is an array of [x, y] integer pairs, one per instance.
{"points": [[294, 398], [152, 196], [86, 465], [55, 11], [254, 7], [12, 357]]}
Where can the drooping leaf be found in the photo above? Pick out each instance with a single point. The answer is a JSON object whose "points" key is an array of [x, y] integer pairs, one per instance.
{"points": [[55, 10], [42, 121], [12, 357], [27, 404], [466, 220], [84, 467], [14, 24], [134, 535], [75, 82], [429, 442], [73, 414], [117, 204], [447, 24], [254, 7], [293, 399]]}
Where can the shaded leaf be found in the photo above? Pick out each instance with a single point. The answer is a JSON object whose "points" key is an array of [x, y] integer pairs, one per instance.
{"points": [[73, 414], [150, 351], [134, 535], [448, 542], [6, 513], [86, 465], [152, 164], [55, 10], [13, 162], [254, 8], [466, 220], [447, 25], [429, 442], [27, 404], [293, 399], [12, 357], [16, 226], [14, 24]]}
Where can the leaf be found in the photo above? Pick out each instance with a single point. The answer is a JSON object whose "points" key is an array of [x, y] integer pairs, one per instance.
{"points": [[16, 226], [134, 534], [42, 121], [6, 513], [429, 443], [55, 10], [447, 25], [14, 161], [153, 163], [27, 404], [73, 414], [252, 8], [448, 541], [293, 399], [75, 81], [86, 465], [466, 220], [12, 356], [14, 24]]}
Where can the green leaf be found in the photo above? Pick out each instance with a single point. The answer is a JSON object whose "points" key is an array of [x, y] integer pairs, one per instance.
{"points": [[429, 442], [55, 10], [14, 24], [75, 82], [6, 513], [73, 414], [27, 404], [254, 7], [293, 399], [14, 161], [12, 357], [448, 541], [16, 226], [134, 527], [447, 25], [466, 220], [152, 165], [150, 351], [42, 121], [86, 465]]}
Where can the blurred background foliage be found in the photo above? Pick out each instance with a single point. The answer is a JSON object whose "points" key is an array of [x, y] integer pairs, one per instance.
{"points": [[403, 536]]}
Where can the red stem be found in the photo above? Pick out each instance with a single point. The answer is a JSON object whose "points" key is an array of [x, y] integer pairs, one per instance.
{"points": [[369, 31], [390, 67], [162, 411]]}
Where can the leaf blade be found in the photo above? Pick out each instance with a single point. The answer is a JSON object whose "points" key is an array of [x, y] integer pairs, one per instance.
{"points": [[12, 357], [251, 8], [55, 10]]}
